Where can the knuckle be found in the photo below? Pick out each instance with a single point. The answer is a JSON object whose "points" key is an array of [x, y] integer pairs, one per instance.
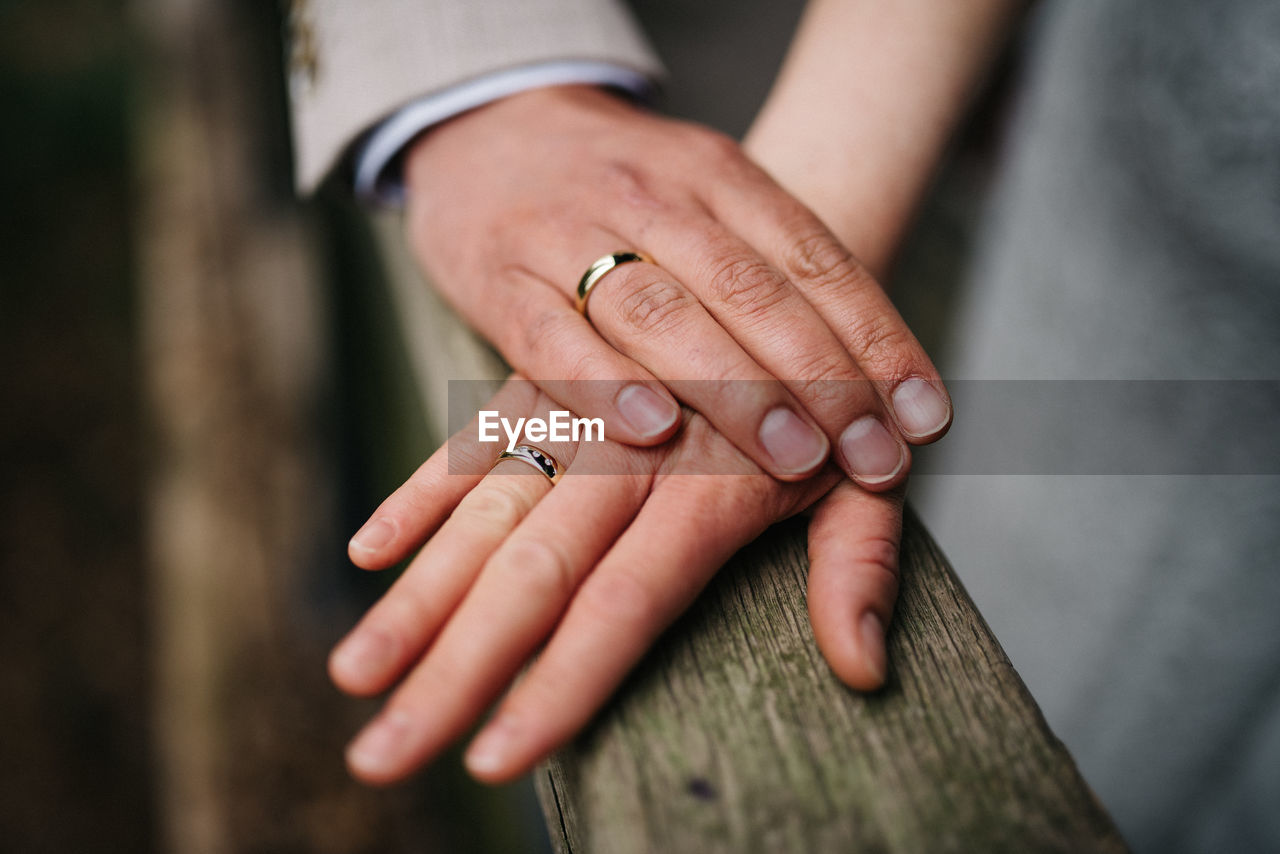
{"points": [[714, 157], [404, 613], [875, 559], [714, 145], [877, 341], [542, 568], [815, 363], [625, 181], [828, 388], [817, 258], [880, 555], [649, 306], [497, 506], [747, 285]]}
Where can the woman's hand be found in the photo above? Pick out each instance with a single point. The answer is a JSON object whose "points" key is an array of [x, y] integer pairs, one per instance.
{"points": [[509, 204], [594, 567]]}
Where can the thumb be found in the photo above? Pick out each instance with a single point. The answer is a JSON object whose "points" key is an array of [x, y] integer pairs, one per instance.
{"points": [[853, 579]]}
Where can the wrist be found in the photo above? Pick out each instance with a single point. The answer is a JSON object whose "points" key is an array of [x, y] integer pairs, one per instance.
{"points": [[508, 118]]}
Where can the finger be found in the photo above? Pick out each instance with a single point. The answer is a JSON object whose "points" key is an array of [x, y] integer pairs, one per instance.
{"points": [[795, 242], [414, 511], [539, 331], [646, 312], [514, 604], [392, 635], [854, 539], [775, 323], [685, 532]]}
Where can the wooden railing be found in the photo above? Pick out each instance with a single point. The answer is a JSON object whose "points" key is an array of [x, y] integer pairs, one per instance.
{"points": [[731, 736], [735, 736]]}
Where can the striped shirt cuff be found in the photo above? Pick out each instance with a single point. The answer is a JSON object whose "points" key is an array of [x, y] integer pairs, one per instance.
{"points": [[378, 178]]}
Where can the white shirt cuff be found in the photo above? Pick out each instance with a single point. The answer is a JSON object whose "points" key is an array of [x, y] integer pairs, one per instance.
{"points": [[377, 177]]}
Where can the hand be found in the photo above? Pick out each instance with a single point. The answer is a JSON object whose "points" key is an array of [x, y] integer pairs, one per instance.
{"points": [[510, 203], [596, 568]]}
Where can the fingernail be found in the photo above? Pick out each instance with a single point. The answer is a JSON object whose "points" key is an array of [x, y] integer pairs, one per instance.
{"points": [[648, 412], [873, 644], [375, 534], [488, 754], [376, 750], [921, 408], [363, 654], [871, 451], [793, 444]]}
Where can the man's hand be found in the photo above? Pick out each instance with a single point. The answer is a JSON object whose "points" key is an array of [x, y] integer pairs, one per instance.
{"points": [[509, 204], [595, 568]]}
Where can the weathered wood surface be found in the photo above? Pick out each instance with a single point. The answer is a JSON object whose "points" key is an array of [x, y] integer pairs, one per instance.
{"points": [[733, 735]]}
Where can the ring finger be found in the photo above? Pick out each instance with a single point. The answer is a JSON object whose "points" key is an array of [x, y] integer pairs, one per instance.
{"points": [[395, 631], [513, 605]]}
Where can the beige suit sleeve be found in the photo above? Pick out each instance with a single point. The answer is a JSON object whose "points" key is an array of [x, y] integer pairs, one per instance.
{"points": [[354, 62]]}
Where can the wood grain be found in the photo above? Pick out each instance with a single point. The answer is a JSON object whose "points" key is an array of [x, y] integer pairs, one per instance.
{"points": [[734, 736]]}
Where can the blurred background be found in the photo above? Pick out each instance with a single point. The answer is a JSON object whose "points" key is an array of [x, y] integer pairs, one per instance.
{"points": [[204, 392], [182, 459]]}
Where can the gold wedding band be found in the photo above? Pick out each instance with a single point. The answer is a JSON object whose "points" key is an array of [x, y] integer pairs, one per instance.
{"points": [[600, 269], [535, 457]]}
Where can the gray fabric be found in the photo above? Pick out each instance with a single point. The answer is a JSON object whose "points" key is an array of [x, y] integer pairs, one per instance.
{"points": [[1134, 232], [354, 62]]}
